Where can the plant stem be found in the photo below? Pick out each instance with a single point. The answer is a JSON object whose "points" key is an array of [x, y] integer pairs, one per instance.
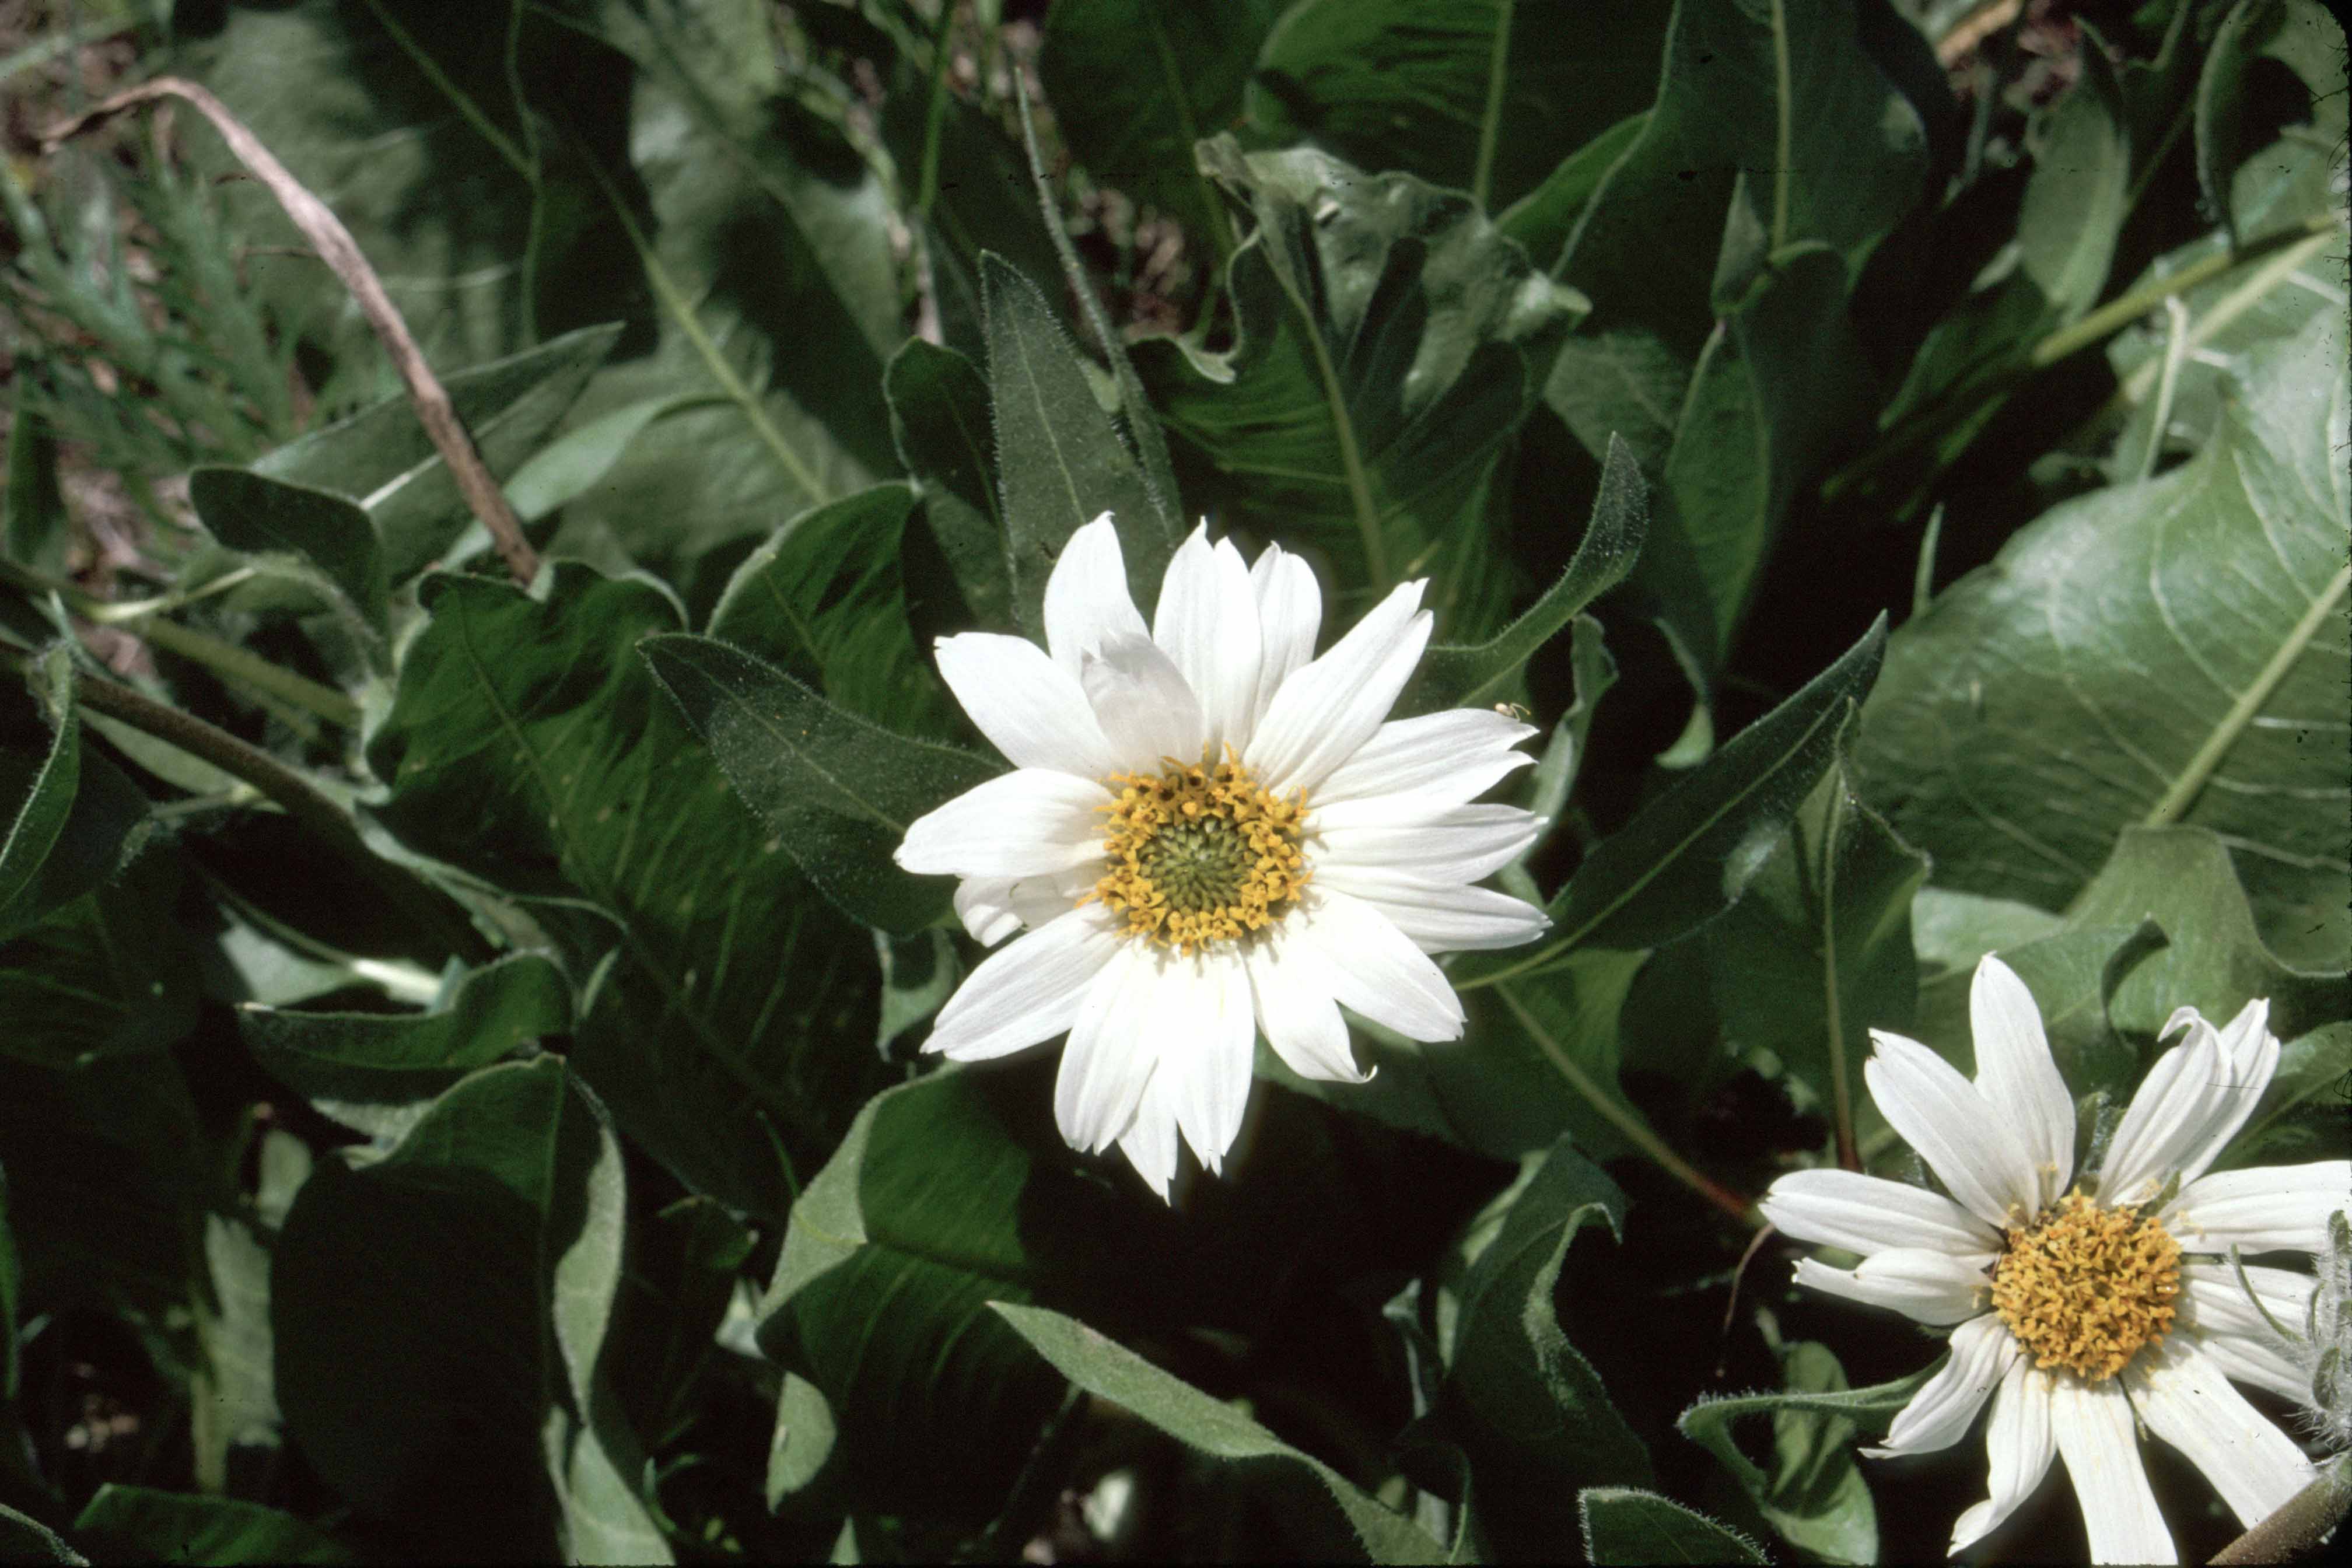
{"points": [[935, 113], [2301, 1523], [1498, 65], [1635, 1130]]}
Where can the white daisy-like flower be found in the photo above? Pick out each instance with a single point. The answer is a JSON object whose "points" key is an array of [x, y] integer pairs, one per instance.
{"points": [[2084, 1312], [1210, 832]]}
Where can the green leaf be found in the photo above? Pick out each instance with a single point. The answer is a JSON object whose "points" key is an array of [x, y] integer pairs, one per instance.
{"points": [[2079, 194], [1059, 459], [263, 516], [2297, 34], [2149, 653], [127, 1524], [940, 414], [1110, 1370], [577, 461], [72, 817], [1460, 677], [233, 1392], [530, 745], [1412, 84], [1689, 854], [825, 602], [837, 792], [1527, 1408], [27, 1539], [1627, 1525], [440, 1316], [683, 1275], [381, 461], [1388, 344], [377, 1072], [1133, 86], [112, 972], [1817, 952], [1814, 1494], [32, 516]]}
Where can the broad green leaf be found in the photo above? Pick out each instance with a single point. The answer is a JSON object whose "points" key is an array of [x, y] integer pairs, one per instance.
{"points": [[112, 972], [1059, 459], [682, 1278], [262, 516], [1541, 219], [1817, 952], [1388, 343], [381, 461], [919, 974], [2299, 34], [2151, 653], [27, 1539], [1134, 85], [377, 1072], [931, 1206], [2301, 1115], [1460, 677], [825, 602], [1627, 1525], [576, 462], [1108, 1370], [837, 792], [1527, 1408], [530, 745], [1813, 1495], [70, 817], [130, 1524], [233, 1393], [440, 1316], [1412, 84], [940, 414], [1689, 854]]}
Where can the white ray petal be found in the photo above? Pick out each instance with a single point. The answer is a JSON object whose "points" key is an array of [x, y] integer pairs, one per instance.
{"points": [[1440, 917], [2018, 1447], [2187, 1401], [2166, 1120], [1207, 1041], [1461, 844], [1207, 624], [1412, 766], [2092, 1425], [1149, 1141], [1087, 601], [1032, 822], [2017, 1076], [1928, 1287], [1027, 991], [1869, 1214], [2269, 1208], [994, 907], [1326, 711], [1290, 614], [1108, 1060], [1946, 1406], [1030, 708], [1940, 1114], [1375, 969], [1292, 990], [1146, 706]]}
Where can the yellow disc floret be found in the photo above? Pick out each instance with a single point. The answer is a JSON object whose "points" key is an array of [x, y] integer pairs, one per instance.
{"points": [[1199, 853], [2084, 1287]]}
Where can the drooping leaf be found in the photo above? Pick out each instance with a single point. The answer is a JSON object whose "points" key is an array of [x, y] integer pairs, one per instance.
{"points": [[2149, 653], [262, 516], [1624, 1525], [1452, 677], [825, 602], [1388, 343], [378, 1072], [441, 1316], [1410, 84], [1527, 1409], [2297, 34], [1108, 1370], [130, 1524], [530, 745], [1059, 459], [838, 791], [71, 817]]}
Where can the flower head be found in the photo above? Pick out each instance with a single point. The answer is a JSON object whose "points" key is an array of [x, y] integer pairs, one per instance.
{"points": [[2082, 1310], [1210, 832]]}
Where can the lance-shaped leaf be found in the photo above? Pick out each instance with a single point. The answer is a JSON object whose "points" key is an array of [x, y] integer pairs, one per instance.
{"points": [[127, 1523], [2167, 651], [440, 1316], [838, 791], [1628, 1525], [1108, 1370], [940, 415], [111, 973], [1059, 459], [530, 745], [68, 817], [1452, 677], [318, 529]]}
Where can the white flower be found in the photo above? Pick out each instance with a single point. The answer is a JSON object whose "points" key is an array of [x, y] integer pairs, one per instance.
{"points": [[1210, 832], [2084, 1312]]}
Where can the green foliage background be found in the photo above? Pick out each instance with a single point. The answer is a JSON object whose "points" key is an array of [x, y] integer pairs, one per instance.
{"points": [[459, 1080]]}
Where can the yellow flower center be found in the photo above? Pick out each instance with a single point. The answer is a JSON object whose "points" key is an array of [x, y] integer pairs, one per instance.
{"points": [[2084, 1287], [1200, 854]]}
